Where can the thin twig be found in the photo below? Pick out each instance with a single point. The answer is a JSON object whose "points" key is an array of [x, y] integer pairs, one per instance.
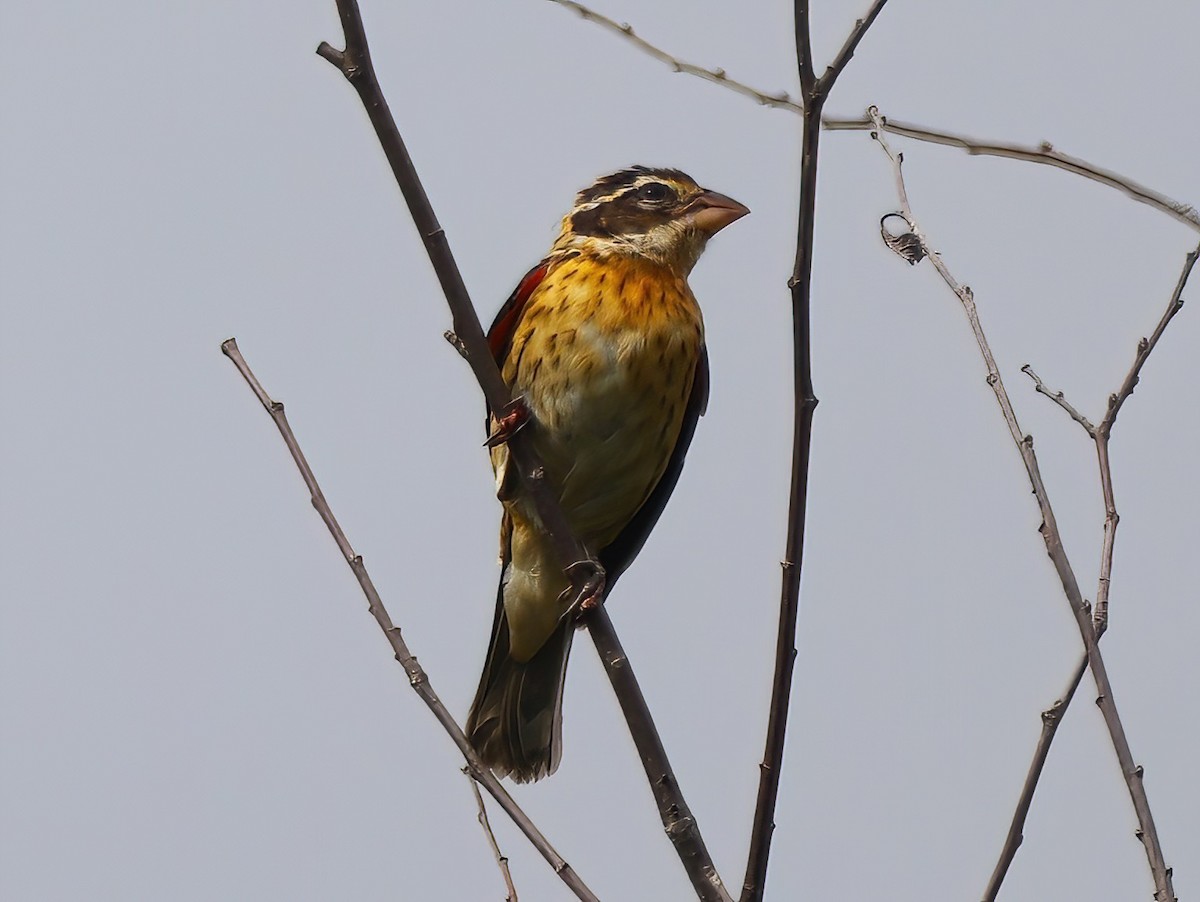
{"points": [[1044, 154], [716, 76], [510, 889], [1052, 717], [416, 674], [816, 91], [1054, 548], [1058, 398], [355, 64], [1147, 345], [857, 33], [1104, 432]]}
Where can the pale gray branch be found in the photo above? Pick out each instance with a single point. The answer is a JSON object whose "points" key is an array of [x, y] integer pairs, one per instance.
{"points": [[1043, 154], [1104, 432], [1147, 345], [416, 674], [624, 30], [1052, 717], [1058, 398], [1132, 772], [510, 889]]}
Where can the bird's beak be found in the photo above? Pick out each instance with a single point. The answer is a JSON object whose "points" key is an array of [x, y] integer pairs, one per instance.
{"points": [[711, 212]]}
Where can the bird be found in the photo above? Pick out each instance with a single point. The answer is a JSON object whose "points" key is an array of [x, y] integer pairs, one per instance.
{"points": [[602, 343]]}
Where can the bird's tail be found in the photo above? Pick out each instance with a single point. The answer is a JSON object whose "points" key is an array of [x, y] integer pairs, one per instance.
{"points": [[515, 724]]}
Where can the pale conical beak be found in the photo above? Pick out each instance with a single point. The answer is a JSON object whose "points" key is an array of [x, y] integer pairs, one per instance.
{"points": [[711, 212]]}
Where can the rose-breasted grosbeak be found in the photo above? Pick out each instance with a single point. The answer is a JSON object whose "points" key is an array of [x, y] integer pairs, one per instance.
{"points": [[604, 343]]}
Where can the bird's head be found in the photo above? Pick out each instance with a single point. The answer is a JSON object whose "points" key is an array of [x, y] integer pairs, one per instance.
{"points": [[660, 214]]}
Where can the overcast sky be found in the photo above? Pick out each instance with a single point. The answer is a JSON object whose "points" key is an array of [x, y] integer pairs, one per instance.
{"points": [[194, 702]]}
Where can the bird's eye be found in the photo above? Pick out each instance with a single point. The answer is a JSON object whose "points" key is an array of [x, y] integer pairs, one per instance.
{"points": [[654, 191]]}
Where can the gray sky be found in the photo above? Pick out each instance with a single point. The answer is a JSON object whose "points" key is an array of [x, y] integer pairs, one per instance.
{"points": [[194, 703]]}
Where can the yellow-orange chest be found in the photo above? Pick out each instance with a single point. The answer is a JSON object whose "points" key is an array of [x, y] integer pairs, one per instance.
{"points": [[605, 354]]}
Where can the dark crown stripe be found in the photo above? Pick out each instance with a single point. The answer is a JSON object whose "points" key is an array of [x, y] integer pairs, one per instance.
{"points": [[608, 185]]}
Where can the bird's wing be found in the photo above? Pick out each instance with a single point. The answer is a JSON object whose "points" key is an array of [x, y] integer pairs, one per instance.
{"points": [[499, 336], [619, 554]]}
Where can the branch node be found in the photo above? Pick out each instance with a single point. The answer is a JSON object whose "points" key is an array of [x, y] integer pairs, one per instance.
{"points": [[1053, 714], [327, 51], [457, 343]]}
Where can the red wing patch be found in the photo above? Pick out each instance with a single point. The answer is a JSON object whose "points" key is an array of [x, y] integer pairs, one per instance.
{"points": [[500, 334]]}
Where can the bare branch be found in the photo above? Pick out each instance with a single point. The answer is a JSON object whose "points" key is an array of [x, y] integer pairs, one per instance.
{"points": [[851, 44], [1100, 436], [677, 818], [1104, 433], [416, 674], [816, 91], [1057, 398], [510, 890], [1132, 773], [804, 57], [624, 30], [912, 250], [1051, 718], [355, 64], [1147, 345], [1043, 154]]}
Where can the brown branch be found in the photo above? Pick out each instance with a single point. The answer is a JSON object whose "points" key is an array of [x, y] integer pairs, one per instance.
{"points": [[510, 889], [416, 674], [1100, 436], [355, 64], [816, 91], [1044, 154], [718, 76], [1054, 548], [677, 818]]}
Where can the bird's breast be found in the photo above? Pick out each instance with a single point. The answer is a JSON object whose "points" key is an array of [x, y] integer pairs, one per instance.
{"points": [[605, 358]]}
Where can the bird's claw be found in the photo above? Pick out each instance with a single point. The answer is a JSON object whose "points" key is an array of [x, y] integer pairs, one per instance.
{"points": [[511, 421], [590, 594]]}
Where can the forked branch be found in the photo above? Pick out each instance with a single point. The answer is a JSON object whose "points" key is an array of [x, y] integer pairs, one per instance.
{"points": [[816, 91], [1054, 547], [1053, 716], [1043, 154]]}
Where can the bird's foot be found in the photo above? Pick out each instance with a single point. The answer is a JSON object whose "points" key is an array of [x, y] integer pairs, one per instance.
{"points": [[511, 421], [590, 594]]}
